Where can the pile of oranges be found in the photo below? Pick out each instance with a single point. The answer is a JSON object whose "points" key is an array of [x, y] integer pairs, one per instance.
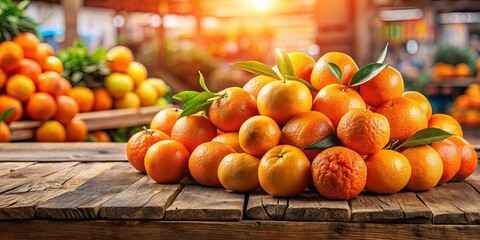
{"points": [[31, 84], [325, 124], [466, 107]]}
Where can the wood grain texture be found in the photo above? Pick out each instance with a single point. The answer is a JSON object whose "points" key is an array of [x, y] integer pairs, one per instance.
{"points": [[204, 203], [7, 167], [312, 207], [20, 202], [262, 206], [453, 203], [144, 199], [85, 201], [474, 180], [248, 229], [61, 152]]}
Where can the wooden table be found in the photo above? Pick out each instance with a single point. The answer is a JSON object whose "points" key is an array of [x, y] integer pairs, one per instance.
{"points": [[89, 191]]}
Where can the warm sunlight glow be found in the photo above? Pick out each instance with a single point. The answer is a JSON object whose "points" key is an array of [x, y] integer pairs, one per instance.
{"points": [[261, 4]]}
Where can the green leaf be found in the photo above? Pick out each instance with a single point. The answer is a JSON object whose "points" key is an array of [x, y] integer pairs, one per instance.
{"points": [[294, 78], [198, 99], [335, 69], [326, 142], [6, 115], [256, 68], [284, 64], [391, 144], [201, 79], [194, 108], [366, 73], [381, 58], [425, 136], [185, 95], [22, 5]]}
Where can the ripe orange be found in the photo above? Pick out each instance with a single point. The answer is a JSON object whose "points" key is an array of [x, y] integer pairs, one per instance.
{"points": [[231, 139], [421, 100], [302, 65], [129, 100], [388, 172], [138, 145], [29, 68], [427, 167], [76, 130], [204, 161], [363, 131], [339, 173], [67, 108], [451, 159], [321, 75], [41, 106], [259, 134], [386, 85], [165, 119], [20, 86], [52, 63], [5, 134], [101, 136], [84, 98], [7, 102], [193, 130], [103, 101], [335, 100], [43, 51], [167, 161], [281, 100], [119, 58], [29, 43], [469, 158], [3, 79], [446, 123], [254, 85], [11, 54], [50, 131], [238, 172], [52, 83], [284, 171], [463, 70], [405, 116], [306, 128], [234, 107]]}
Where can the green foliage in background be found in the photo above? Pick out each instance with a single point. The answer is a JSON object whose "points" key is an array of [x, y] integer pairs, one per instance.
{"points": [[12, 21], [454, 55], [83, 68], [124, 133]]}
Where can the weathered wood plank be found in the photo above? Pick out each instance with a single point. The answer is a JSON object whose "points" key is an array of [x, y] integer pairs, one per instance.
{"points": [[203, 203], [247, 229], [474, 180], [7, 167], [20, 203], [144, 199], [61, 152], [453, 203], [262, 206], [85, 201], [312, 207], [399, 207]]}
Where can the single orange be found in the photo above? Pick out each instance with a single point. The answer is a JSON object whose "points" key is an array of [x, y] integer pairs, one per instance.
{"points": [[238, 172], [76, 130], [231, 139], [386, 85], [29, 43], [302, 65], [41, 106], [254, 85], [167, 161], [129, 100], [259, 134], [165, 119], [52, 63], [446, 123], [7, 102], [119, 58], [463, 70], [101, 136], [52, 83], [50, 131], [20, 86], [5, 134], [321, 74], [84, 98], [11, 55], [469, 158], [67, 108], [427, 167], [451, 159], [138, 145], [193, 130], [388, 172], [103, 100], [29, 68], [421, 100]]}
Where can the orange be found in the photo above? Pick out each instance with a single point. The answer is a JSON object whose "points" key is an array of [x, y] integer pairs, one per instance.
{"points": [[307, 128], [421, 100], [463, 70], [7, 102], [5, 134], [238, 172], [388, 172], [405, 116], [427, 167], [29, 68], [335, 100], [321, 75], [43, 51], [167, 161], [20, 86], [204, 161], [284, 171], [281, 100], [386, 85], [231, 109], [451, 159], [138, 72], [302, 65], [468, 155], [364, 132], [138, 145], [50, 131], [446, 123], [473, 90], [101, 136], [103, 101], [259, 134], [442, 70], [119, 58], [52, 63], [471, 117], [193, 130], [84, 98], [11, 55], [76, 130], [165, 119], [230, 139], [254, 85], [29, 43], [339, 173], [129, 100], [41, 106], [3, 79], [52, 83]]}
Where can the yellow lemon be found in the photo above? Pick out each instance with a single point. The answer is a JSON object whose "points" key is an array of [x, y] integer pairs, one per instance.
{"points": [[147, 94], [159, 85], [138, 72], [130, 100], [118, 84]]}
